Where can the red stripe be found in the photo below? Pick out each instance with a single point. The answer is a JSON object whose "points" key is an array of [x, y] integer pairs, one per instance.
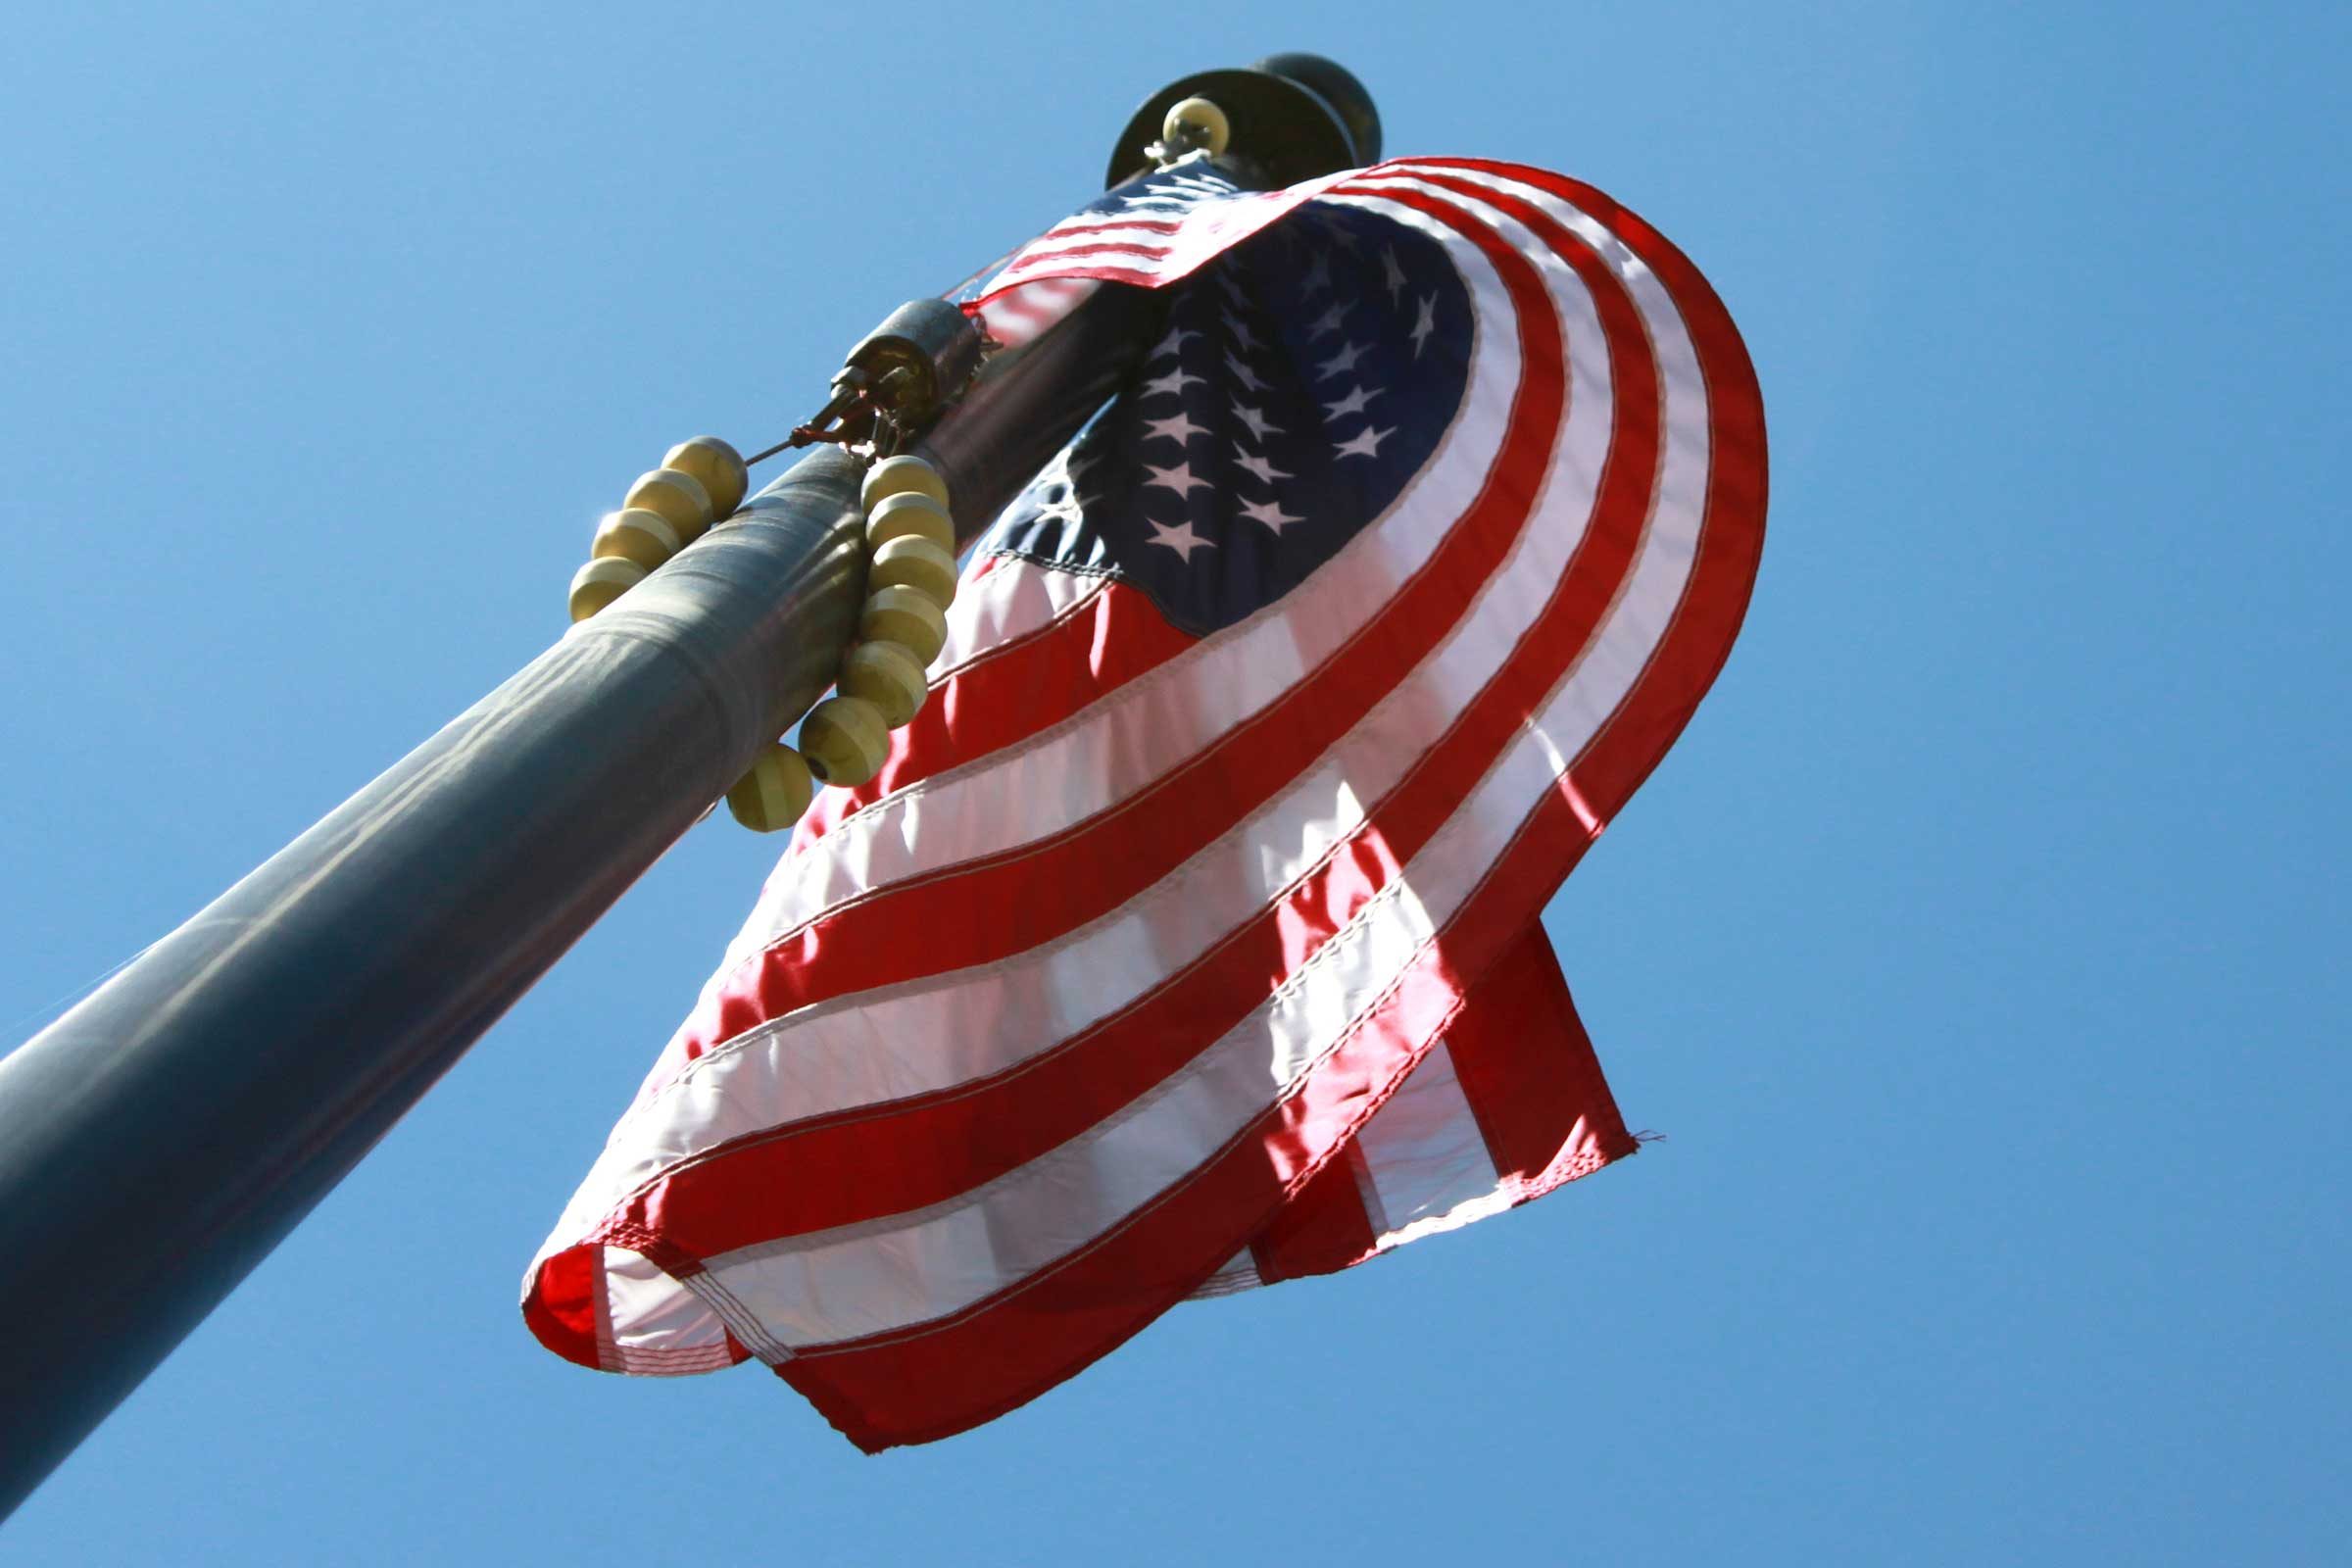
{"points": [[1017, 690], [1156, 225], [1005, 1353], [1141, 277], [1043, 259], [1321, 1230], [1034, 305], [1527, 1068], [559, 1308], [874, 1160]]}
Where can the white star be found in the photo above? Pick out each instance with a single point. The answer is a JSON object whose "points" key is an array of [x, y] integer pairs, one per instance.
{"points": [[1269, 512], [1178, 478], [1242, 373], [1343, 237], [1180, 539], [1173, 343], [1231, 283], [1342, 362], [1329, 321], [1177, 427], [1427, 325], [1240, 333], [1395, 273], [1174, 382], [1318, 276], [1259, 426], [1056, 491], [1366, 444], [1267, 472], [1352, 402]]}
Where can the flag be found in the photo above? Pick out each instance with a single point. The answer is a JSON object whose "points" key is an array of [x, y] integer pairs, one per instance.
{"points": [[1189, 938]]}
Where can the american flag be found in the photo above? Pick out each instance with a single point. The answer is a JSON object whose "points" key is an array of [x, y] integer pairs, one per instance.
{"points": [[1189, 939]]}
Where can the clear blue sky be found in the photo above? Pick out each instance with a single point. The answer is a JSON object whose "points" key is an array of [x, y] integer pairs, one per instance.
{"points": [[1981, 950]]}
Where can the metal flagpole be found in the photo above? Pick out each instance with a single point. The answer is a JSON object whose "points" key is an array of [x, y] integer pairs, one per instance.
{"points": [[162, 1136]]}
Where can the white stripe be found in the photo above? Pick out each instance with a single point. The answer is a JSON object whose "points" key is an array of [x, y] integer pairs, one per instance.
{"points": [[1013, 601], [654, 1327], [1021, 315], [1424, 1159], [1125, 229], [1239, 1273], [1424, 1152]]}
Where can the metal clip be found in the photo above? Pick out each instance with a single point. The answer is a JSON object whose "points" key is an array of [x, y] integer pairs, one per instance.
{"points": [[897, 379]]}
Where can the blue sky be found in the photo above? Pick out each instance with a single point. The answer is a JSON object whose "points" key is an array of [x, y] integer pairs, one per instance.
{"points": [[1979, 950]]}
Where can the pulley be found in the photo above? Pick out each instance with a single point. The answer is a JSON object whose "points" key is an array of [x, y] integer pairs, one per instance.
{"points": [[898, 377]]}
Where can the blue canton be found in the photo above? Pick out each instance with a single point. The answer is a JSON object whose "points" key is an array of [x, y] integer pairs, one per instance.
{"points": [[1302, 379]]}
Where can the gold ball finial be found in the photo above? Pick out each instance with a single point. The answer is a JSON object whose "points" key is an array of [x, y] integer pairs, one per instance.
{"points": [[1196, 122]]}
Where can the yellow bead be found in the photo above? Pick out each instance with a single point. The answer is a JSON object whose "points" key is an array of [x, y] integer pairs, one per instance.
{"points": [[907, 513], [903, 617], [1197, 122], [902, 475], [907, 562], [717, 466], [845, 741], [636, 534], [600, 582], [680, 498], [774, 792], [887, 675]]}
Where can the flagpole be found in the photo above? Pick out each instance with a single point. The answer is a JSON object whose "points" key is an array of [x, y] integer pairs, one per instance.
{"points": [[162, 1137]]}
